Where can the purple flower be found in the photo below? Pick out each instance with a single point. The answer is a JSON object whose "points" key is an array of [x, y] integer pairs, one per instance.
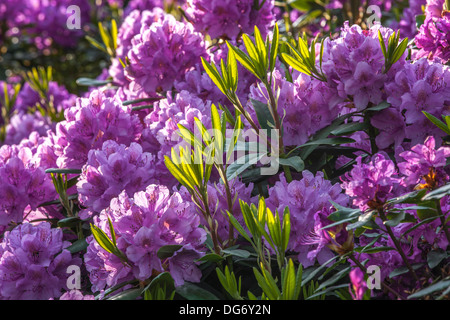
{"points": [[91, 122], [23, 183], [46, 21], [307, 105], [131, 26], [162, 53], [434, 34], [75, 295], [33, 263], [358, 284], [305, 198], [354, 62], [371, 184], [392, 127], [230, 18], [424, 164], [111, 170], [143, 224], [420, 86], [21, 125]]}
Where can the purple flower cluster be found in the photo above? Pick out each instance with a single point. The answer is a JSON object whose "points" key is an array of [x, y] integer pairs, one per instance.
{"points": [[371, 184], [434, 34], [34, 262], [111, 170], [354, 62], [425, 164], [162, 53], [143, 224], [130, 27], [230, 18], [24, 184], [306, 198], [419, 86], [91, 122], [46, 20], [307, 104]]}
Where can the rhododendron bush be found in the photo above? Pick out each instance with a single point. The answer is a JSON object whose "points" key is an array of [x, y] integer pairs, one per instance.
{"points": [[234, 149]]}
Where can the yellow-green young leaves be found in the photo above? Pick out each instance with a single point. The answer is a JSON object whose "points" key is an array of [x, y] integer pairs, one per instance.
{"points": [[303, 59], [106, 243], [227, 79], [394, 50], [229, 283], [261, 55], [109, 39], [440, 124]]}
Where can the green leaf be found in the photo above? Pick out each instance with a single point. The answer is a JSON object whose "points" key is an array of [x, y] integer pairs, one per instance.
{"points": [[342, 213], [348, 128], [395, 219], [301, 5], [130, 294], [87, 82], [335, 278], [113, 233], [399, 51], [245, 60], [431, 210], [77, 246], [363, 220], [102, 239], [289, 278], [162, 280], [168, 250], [212, 72], [382, 44], [441, 125], [237, 253], [232, 69], [274, 47], [191, 291], [296, 162], [265, 118], [236, 167], [68, 222], [439, 286], [329, 141], [316, 271], [435, 257], [96, 44], [238, 227], [411, 197], [402, 270], [376, 249], [211, 257], [63, 171], [286, 229], [296, 64], [267, 284]]}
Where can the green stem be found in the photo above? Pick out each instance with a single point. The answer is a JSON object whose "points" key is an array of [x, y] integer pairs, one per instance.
{"points": [[397, 245], [209, 219], [230, 206], [442, 218], [273, 105]]}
